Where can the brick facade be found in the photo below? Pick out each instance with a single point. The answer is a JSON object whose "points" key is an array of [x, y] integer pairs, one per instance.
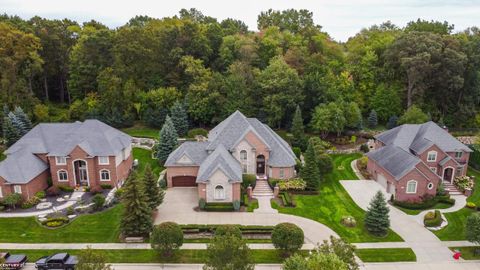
{"points": [[37, 184]]}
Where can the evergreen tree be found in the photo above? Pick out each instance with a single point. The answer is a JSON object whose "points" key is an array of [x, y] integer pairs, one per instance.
{"points": [[372, 119], [26, 124], [377, 220], [167, 141], [153, 191], [310, 171], [10, 132], [298, 130], [137, 215], [179, 118], [392, 121]]}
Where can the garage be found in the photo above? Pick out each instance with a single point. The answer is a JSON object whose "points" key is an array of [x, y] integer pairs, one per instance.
{"points": [[382, 180], [184, 181]]}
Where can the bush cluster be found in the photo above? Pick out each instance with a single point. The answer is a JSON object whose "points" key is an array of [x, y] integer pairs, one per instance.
{"points": [[426, 202], [65, 188], [219, 207], [30, 202], [433, 219], [292, 184], [249, 180], [287, 199], [197, 131], [287, 237], [55, 222], [348, 221], [106, 186], [464, 182]]}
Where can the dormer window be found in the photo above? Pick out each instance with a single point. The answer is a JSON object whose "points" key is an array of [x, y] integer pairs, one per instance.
{"points": [[61, 160], [103, 161], [458, 155], [432, 156]]}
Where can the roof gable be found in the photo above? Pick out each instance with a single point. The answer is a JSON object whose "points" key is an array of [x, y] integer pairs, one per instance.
{"points": [[220, 159]]}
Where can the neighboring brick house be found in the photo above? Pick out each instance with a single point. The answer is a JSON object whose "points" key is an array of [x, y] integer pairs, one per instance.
{"points": [[238, 145], [411, 160], [88, 153]]}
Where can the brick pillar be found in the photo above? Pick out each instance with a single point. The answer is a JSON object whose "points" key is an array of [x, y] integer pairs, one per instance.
{"points": [[276, 190], [249, 192]]}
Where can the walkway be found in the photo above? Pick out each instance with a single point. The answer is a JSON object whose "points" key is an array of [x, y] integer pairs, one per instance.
{"points": [[460, 202]]}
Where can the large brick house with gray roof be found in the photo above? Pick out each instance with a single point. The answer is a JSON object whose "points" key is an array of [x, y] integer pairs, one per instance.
{"points": [[238, 145], [412, 159], [88, 153]]}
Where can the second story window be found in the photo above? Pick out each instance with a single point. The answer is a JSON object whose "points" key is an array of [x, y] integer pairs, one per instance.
{"points": [[458, 155], [103, 160], [61, 160], [243, 155], [432, 156]]}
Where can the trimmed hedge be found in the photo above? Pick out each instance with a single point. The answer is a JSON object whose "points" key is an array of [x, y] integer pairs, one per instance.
{"points": [[211, 228], [65, 188], [249, 180], [434, 221], [426, 204], [219, 207], [287, 199]]}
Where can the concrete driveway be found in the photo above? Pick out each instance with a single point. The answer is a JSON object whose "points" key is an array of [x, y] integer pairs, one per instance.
{"points": [[179, 200]]}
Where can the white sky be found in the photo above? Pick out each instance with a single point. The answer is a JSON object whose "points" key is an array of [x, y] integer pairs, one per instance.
{"points": [[340, 18]]}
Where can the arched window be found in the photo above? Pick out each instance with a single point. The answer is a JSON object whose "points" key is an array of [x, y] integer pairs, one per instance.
{"points": [[243, 155], [432, 156], [412, 186], [219, 193], [62, 175], [104, 175]]}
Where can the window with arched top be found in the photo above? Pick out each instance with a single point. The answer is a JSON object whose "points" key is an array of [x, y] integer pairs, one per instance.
{"points": [[104, 175], [412, 187], [219, 193], [243, 155], [62, 175]]}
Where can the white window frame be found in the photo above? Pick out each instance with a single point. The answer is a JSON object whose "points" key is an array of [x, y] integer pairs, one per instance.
{"points": [[100, 162], [458, 155], [428, 156], [1, 192], [17, 189], [281, 173], [244, 168], [241, 156], [59, 178], [219, 196], [430, 186], [101, 176], [433, 169], [459, 171], [408, 184], [57, 160]]}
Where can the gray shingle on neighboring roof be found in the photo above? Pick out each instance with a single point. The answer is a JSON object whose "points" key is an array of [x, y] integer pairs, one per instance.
{"points": [[195, 151], [394, 159], [223, 160]]}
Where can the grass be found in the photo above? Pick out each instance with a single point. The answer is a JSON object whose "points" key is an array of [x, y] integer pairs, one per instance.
{"points": [[144, 156], [333, 203], [151, 256], [252, 205], [418, 211], [139, 130], [467, 252], [455, 230], [386, 255], [102, 227]]}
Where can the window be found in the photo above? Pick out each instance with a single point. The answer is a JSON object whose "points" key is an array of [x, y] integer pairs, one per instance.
{"points": [[433, 169], [432, 156], [412, 186], [219, 193], [104, 175], [1, 192], [244, 168], [61, 160], [103, 160], [458, 155], [17, 189], [282, 173], [243, 155], [62, 175], [430, 185]]}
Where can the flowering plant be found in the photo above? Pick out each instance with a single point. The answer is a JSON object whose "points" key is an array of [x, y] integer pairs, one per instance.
{"points": [[463, 182], [292, 184]]}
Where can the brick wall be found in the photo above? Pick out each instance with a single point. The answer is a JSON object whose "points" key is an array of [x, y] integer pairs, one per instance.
{"points": [[180, 171]]}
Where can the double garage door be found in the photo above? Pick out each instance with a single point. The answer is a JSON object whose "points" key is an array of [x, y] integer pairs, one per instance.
{"points": [[184, 181]]}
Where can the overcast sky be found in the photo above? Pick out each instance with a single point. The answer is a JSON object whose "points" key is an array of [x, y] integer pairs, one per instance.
{"points": [[340, 18]]}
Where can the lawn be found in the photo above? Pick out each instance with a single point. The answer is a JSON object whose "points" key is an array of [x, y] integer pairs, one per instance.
{"points": [[103, 227], [333, 203], [150, 256], [139, 130], [386, 255], [144, 156], [467, 252], [456, 220]]}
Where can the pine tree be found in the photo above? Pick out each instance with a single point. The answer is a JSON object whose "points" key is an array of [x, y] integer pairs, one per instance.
{"points": [[179, 118], [153, 191], [298, 130], [26, 124], [377, 220], [167, 141], [310, 171], [392, 121], [10, 132], [137, 215], [372, 119]]}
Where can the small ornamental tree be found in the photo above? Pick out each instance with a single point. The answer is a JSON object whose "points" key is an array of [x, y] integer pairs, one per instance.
{"points": [[377, 219], [167, 141], [344, 250], [228, 252], [137, 215], [472, 230], [12, 200], [287, 237], [372, 119], [179, 118], [166, 238], [317, 260], [91, 259], [298, 131], [153, 191], [310, 170]]}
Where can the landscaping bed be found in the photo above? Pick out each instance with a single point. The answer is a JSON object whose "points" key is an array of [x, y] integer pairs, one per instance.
{"points": [[414, 208], [369, 255], [259, 234], [468, 253]]}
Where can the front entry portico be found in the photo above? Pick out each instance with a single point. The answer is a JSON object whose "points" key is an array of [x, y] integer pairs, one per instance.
{"points": [[448, 174], [81, 173], [260, 164]]}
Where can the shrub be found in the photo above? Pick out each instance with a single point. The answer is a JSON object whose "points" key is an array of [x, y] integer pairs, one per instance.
{"points": [[197, 131], [433, 219], [287, 237], [40, 195], [287, 200], [348, 221], [364, 148], [99, 201], [119, 193], [55, 221], [52, 191], [106, 186], [202, 203], [95, 190], [297, 151], [362, 163], [12, 200], [464, 182], [272, 182], [236, 205], [166, 238], [292, 184], [65, 188], [219, 207], [70, 211], [162, 183], [30, 202], [249, 180], [228, 230], [471, 205]]}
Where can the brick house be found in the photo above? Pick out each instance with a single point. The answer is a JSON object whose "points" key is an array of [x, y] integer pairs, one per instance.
{"points": [[88, 153], [238, 145], [411, 160]]}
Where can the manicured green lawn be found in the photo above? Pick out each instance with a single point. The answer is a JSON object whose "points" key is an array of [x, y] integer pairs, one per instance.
{"points": [[103, 227], [333, 203], [455, 229], [150, 256], [252, 205], [386, 255], [139, 130], [144, 156], [467, 252]]}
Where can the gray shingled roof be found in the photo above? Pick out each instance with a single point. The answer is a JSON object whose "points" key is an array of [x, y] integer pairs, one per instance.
{"points": [[195, 151], [220, 159], [403, 142], [59, 139]]}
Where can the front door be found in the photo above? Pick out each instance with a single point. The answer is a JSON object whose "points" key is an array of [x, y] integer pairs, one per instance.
{"points": [[448, 175], [81, 174], [261, 164]]}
